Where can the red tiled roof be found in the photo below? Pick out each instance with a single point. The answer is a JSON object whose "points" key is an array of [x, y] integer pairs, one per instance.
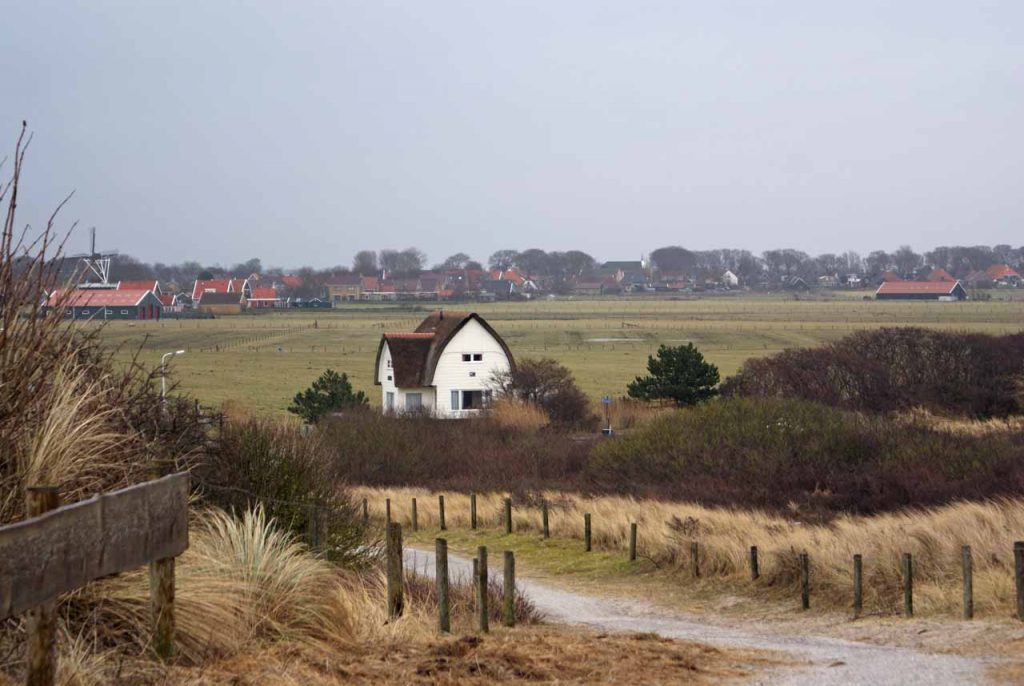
{"points": [[891, 276], [911, 287], [264, 294], [940, 275], [152, 285], [166, 299], [100, 298], [1002, 271], [291, 281], [211, 285]]}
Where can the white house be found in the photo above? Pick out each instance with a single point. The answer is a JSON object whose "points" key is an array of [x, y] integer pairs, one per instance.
{"points": [[445, 367]]}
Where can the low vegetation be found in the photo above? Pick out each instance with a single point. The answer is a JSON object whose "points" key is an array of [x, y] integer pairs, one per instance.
{"points": [[666, 530], [889, 369]]}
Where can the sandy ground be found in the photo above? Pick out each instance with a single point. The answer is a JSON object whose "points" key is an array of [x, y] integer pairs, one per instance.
{"points": [[815, 659]]}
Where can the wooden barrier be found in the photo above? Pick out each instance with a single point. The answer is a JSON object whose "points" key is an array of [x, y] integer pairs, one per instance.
{"points": [[395, 570], [755, 570], [632, 542], [586, 532], [1018, 576], [415, 518], [908, 585], [508, 516], [440, 512], [387, 510], [858, 585], [544, 519], [472, 511], [444, 618], [366, 513], [481, 589], [58, 549], [967, 564], [695, 560], [509, 588], [805, 582]]}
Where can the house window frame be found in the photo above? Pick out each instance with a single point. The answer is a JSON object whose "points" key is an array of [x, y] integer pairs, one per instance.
{"points": [[419, 401], [389, 401], [456, 400]]}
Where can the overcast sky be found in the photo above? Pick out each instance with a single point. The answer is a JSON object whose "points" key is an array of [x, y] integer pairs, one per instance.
{"points": [[300, 132]]}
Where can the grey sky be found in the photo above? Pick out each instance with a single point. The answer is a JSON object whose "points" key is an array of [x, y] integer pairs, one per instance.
{"points": [[301, 132]]}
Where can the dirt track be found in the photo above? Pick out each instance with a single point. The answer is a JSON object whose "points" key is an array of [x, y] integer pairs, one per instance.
{"points": [[818, 659]]}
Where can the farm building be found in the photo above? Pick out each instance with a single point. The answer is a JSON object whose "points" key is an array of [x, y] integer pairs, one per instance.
{"points": [[219, 303], [263, 298], [240, 286], [445, 367], [150, 285], [103, 304], [1004, 275], [921, 290]]}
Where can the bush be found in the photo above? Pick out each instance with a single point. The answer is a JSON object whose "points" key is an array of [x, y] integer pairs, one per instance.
{"points": [[550, 386], [771, 452], [679, 374], [275, 466], [887, 369], [329, 393]]}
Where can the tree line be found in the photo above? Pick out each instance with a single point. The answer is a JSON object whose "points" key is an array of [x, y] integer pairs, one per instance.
{"points": [[556, 270]]}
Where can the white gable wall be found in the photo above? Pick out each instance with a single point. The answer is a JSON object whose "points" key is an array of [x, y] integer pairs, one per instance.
{"points": [[387, 385], [452, 373]]}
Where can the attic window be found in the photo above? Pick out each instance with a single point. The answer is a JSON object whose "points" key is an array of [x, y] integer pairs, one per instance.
{"points": [[477, 357], [466, 357], [389, 363]]}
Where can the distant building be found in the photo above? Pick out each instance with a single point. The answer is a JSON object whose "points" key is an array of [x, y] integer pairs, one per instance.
{"points": [[152, 285], [445, 367], [729, 279], [107, 304], [240, 286], [263, 299], [940, 275], [1004, 275], [921, 290], [219, 303]]}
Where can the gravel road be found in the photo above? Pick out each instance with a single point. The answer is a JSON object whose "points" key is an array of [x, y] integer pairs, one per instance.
{"points": [[820, 660]]}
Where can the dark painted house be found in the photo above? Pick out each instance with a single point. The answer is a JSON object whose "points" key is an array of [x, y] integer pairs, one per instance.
{"points": [[104, 304]]}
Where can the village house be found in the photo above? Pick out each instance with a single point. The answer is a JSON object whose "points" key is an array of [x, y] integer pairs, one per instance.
{"points": [[921, 290], [1003, 275], [263, 299], [101, 304], [446, 367], [215, 303], [240, 286]]}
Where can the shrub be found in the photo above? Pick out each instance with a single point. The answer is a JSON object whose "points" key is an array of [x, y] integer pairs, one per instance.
{"points": [[288, 474], [329, 393], [879, 371], [679, 374], [549, 385]]}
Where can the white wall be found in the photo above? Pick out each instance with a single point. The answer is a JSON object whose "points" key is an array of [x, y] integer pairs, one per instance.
{"points": [[454, 374], [387, 385]]}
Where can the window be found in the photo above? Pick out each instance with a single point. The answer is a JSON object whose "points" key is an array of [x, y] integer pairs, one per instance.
{"points": [[85, 312], [413, 401], [456, 405], [109, 312], [472, 400], [466, 357], [472, 357], [389, 363], [389, 401], [124, 311], [477, 357]]}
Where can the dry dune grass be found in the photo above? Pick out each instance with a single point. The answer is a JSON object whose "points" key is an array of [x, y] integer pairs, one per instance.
{"points": [[934, 537], [518, 415], [964, 426]]}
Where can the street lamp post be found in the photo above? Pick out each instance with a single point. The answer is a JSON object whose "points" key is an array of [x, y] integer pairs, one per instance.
{"points": [[163, 373]]}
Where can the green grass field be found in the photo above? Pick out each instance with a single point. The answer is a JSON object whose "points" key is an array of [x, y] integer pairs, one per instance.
{"points": [[261, 361]]}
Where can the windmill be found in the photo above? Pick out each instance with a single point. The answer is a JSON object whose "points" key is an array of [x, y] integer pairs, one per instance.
{"points": [[98, 263]]}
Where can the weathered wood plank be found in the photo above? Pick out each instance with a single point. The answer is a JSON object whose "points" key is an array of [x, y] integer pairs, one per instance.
{"points": [[62, 550]]}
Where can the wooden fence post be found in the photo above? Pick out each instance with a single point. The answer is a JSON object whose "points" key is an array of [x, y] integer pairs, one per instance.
{"points": [[508, 516], [805, 581], [440, 512], [510, 588], [395, 570], [586, 532], [415, 518], [41, 651], [632, 542], [481, 589], [476, 572], [441, 575], [858, 584], [472, 511], [544, 518], [161, 602], [387, 510], [755, 570], [366, 513], [908, 585], [968, 568], [695, 560], [313, 512], [1018, 576]]}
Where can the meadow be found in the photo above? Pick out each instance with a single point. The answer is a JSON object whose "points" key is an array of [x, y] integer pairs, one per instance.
{"points": [[261, 361]]}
